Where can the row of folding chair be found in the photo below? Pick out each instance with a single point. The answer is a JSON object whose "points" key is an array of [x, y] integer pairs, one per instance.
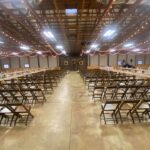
{"points": [[114, 82], [42, 80], [25, 96], [123, 97], [18, 95], [107, 78], [125, 111], [121, 92], [103, 74], [12, 114]]}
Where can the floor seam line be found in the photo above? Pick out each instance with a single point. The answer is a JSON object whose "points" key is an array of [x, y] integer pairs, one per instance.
{"points": [[70, 129]]}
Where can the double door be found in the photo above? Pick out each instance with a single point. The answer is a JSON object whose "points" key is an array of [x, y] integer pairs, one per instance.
{"points": [[73, 63]]}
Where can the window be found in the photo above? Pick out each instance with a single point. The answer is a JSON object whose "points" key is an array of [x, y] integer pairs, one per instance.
{"points": [[139, 62], [26, 65], [6, 66], [119, 62]]}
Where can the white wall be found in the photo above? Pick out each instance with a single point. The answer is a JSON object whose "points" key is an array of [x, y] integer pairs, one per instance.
{"points": [[147, 59], [121, 57], [14, 62], [43, 62], [129, 57], [140, 57], [94, 60], [23, 61], [113, 59], [103, 60], [52, 61], [34, 62], [5, 61]]}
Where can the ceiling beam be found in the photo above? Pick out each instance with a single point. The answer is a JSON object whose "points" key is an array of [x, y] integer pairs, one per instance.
{"points": [[79, 18], [40, 24], [58, 17]]}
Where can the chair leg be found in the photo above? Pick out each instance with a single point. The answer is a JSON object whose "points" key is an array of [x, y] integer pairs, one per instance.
{"points": [[104, 118], [138, 116], [11, 122], [15, 122], [1, 119], [101, 114], [119, 116], [116, 120], [93, 97], [26, 123], [132, 118], [146, 112], [7, 120]]}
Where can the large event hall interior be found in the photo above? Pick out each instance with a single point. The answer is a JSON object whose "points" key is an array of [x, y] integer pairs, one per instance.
{"points": [[74, 74]]}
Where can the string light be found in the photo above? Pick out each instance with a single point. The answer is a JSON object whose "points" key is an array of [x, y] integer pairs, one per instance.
{"points": [[135, 33], [103, 23]]}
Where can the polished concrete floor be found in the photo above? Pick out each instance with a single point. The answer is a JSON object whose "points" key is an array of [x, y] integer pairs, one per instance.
{"points": [[69, 120]]}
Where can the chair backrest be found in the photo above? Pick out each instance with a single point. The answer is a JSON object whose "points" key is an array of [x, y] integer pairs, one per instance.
{"points": [[110, 92], [127, 105], [114, 103]]}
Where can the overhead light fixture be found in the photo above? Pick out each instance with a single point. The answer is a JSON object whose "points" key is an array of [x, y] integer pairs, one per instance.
{"points": [[64, 52], [60, 47], [88, 51], [128, 45], [1, 42], [48, 34], [94, 46], [39, 52], [71, 11], [109, 33], [112, 50], [14, 53], [136, 50], [24, 47]]}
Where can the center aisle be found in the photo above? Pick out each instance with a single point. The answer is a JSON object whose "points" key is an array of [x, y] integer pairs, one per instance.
{"points": [[76, 117]]}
